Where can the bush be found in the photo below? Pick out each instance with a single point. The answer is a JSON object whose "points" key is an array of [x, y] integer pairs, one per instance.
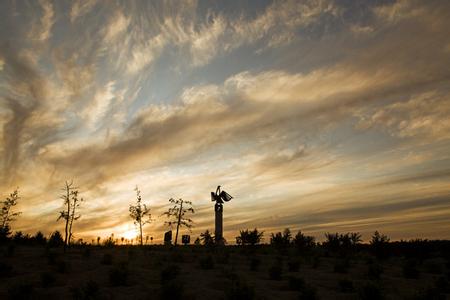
{"points": [[303, 242], [118, 276], [346, 285], [296, 283], [47, 279], [293, 265], [240, 290], [107, 259], [275, 272], [249, 237], [21, 291], [370, 291], [55, 240], [410, 270], [255, 262], [207, 262]]}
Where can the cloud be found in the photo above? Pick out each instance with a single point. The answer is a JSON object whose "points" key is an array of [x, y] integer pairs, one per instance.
{"points": [[42, 30], [80, 8]]}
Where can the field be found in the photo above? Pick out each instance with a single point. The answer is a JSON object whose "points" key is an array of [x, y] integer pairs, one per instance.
{"points": [[230, 272]]}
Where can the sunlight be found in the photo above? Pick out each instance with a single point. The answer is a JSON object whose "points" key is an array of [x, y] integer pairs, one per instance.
{"points": [[130, 234]]}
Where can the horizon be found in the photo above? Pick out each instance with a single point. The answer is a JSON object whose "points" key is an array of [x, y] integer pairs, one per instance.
{"points": [[316, 116]]}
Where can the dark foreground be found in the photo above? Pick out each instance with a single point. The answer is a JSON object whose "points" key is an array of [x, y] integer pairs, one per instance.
{"points": [[404, 271]]}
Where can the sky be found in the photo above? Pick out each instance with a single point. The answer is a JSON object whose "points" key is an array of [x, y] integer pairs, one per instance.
{"points": [[320, 116]]}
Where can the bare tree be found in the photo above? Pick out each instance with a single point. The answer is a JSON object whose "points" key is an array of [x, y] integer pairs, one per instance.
{"points": [[7, 215], [140, 214], [69, 214], [177, 214]]}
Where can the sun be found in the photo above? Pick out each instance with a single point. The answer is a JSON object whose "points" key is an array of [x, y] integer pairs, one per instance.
{"points": [[130, 234]]}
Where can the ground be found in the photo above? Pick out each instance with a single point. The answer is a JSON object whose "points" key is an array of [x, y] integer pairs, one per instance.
{"points": [[195, 272]]}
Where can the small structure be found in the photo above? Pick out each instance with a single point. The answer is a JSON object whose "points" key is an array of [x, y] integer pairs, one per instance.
{"points": [[219, 197], [168, 238], [185, 239]]}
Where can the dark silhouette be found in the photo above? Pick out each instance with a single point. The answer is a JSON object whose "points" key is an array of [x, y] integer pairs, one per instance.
{"points": [[281, 239], [219, 197], [249, 237], [177, 214], [71, 202], [140, 214], [7, 215]]}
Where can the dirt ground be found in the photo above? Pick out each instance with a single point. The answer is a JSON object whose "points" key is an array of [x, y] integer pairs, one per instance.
{"points": [[189, 272]]}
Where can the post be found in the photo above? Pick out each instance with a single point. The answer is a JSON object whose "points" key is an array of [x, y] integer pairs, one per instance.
{"points": [[219, 223]]}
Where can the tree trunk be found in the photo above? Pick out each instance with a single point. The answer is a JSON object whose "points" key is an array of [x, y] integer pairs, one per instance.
{"points": [[178, 223], [67, 216], [140, 229]]}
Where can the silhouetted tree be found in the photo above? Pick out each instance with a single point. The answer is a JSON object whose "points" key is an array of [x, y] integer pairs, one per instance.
{"points": [[206, 238], [71, 203], [379, 244], [177, 214], [332, 241], [140, 213], [7, 215], [281, 239], [249, 237], [303, 242], [39, 238], [55, 239]]}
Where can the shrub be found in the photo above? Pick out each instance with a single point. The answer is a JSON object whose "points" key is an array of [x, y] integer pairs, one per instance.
{"points": [[88, 291], [240, 290], [249, 237], [303, 242], [281, 239], [21, 291], [275, 272], [296, 283], [118, 276], [379, 244], [346, 285], [39, 238], [370, 291], [207, 262], [170, 272], [55, 240], [255, 262], [410, 270], [47, 279], [374, 271], [5, 269], [107, 259]]}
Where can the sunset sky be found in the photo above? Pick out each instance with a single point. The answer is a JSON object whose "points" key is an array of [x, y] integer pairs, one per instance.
{"points": [[315, 115]]}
